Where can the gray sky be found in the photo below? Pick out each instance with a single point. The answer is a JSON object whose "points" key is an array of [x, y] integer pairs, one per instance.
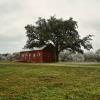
{"points": [[16, 14]]}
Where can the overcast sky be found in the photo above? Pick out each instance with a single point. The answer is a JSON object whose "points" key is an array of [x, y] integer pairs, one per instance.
{"points": [[16, 14]]}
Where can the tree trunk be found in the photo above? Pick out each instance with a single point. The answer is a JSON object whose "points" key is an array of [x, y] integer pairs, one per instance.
{"points": [[57, 56], [56, 51]]}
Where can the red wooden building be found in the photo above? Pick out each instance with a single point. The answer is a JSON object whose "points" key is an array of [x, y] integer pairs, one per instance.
{"points": [[39, 55]]}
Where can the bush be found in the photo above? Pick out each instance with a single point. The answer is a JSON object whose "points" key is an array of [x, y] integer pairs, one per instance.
{"points": [[90, 56], [98, 57], [69, 56]]}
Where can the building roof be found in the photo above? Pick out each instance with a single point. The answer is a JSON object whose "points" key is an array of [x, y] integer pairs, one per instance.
{"points": [[35, 48], [39, 48]]}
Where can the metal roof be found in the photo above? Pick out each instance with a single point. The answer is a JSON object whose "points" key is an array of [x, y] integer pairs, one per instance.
{"points": [[39, 48], [35, 48]]}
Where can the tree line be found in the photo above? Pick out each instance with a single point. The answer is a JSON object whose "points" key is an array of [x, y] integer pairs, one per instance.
{"points": [[90, 56], [10, 56], [64, 56]]}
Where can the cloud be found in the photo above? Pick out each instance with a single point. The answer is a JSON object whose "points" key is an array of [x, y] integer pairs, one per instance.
{"points": [[16, 14]]}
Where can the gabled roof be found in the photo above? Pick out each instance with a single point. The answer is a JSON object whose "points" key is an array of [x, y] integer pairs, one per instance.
{"points": [[39, 48], [35, 48]]}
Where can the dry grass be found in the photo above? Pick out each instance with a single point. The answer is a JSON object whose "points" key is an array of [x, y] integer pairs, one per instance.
{"points": [[61, 81]]}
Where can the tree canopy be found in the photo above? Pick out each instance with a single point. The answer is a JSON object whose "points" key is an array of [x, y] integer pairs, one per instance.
{"points": [[63, 33]]}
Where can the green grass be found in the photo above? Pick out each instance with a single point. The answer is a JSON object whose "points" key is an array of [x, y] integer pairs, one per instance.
{"points": [[60, 81]]}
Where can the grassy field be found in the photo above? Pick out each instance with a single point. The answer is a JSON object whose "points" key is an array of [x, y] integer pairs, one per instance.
{"points": [[60, 81]]}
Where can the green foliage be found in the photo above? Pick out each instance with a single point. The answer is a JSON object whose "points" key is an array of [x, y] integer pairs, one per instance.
{"points": [[63, 33], [59, 81]]}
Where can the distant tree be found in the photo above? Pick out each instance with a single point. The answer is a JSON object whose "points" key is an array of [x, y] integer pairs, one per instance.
{"points": [[70, 56], [98, 52], [90, 56], [98, 55], [63, 33], [78, 57], [65, 55]]}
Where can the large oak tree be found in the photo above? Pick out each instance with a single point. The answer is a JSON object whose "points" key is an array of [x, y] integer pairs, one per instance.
{"points": [[63, 33]]}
